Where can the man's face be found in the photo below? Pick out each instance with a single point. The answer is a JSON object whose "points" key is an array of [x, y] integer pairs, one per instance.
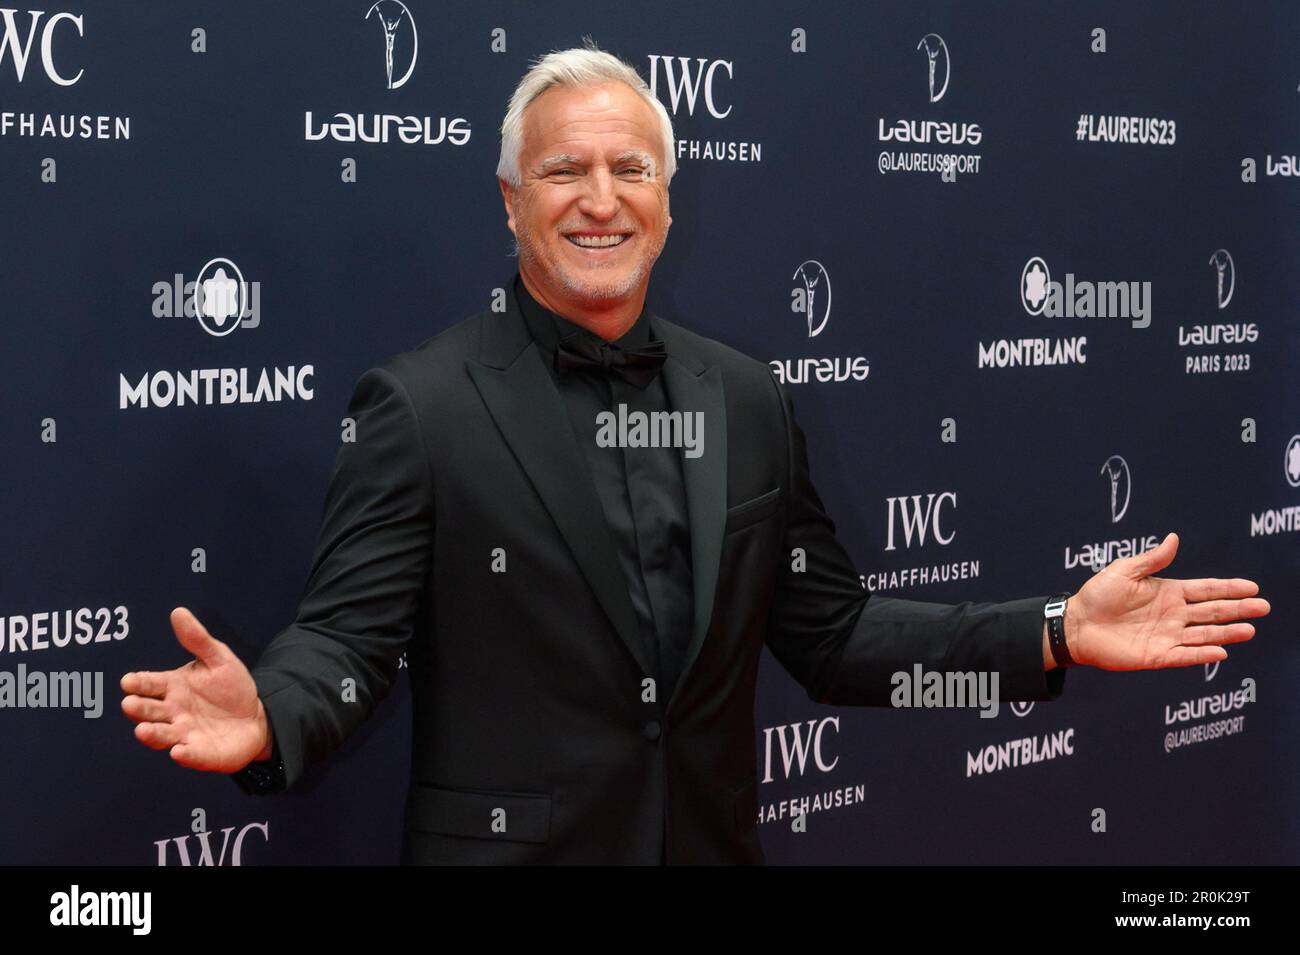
{"points": [[591, 168]]}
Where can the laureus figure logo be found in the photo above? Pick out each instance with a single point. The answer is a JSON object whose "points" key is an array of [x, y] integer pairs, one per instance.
{"points": [[1226, 273], [936, 52], [390, 14], [1117, 468], [816, 281]]}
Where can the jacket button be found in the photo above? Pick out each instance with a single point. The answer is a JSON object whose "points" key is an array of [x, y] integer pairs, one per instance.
{"points": [[652, 730]]}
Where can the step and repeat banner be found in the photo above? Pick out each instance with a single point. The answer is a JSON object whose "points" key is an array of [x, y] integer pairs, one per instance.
{"points": [[1028, 270]]}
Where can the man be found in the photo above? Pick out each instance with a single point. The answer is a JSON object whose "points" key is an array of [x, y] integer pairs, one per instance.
{"points": [[583, 617]]}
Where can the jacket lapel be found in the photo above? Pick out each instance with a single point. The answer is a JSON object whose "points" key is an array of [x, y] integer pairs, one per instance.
{"points": [[517, 388], [693, 386]]}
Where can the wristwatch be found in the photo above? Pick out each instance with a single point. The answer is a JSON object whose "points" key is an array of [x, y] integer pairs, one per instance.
{"points": [[1054, 613]]}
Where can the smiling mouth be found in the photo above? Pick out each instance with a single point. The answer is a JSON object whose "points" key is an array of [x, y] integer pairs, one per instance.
{"points": [[598, 241]]}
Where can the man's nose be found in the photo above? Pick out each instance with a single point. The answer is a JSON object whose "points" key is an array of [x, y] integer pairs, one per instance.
{"points": [[600, 201]]}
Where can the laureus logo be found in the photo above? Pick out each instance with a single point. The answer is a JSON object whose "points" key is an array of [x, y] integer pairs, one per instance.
{"points": [[1226, 273], [812, 296], [391, 14], [1021, 707], [1117, 469], [936, 54], [1211, 669]]}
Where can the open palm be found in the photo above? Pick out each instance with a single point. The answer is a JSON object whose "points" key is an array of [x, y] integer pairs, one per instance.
{"points": [[1129, 619], [207, 712]]}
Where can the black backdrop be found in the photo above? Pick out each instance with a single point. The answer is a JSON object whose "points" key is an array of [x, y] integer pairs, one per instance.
{"points": [[208, 149]]}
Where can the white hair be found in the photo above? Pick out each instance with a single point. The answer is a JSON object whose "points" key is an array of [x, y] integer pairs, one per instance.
{"points": [[576, 67]]}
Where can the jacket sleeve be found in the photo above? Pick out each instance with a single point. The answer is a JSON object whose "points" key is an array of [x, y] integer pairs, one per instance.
{"points": [[843, 643], [323, 676]]}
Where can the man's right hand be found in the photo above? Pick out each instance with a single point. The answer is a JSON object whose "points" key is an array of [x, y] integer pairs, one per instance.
{"points": [[207, 713]]}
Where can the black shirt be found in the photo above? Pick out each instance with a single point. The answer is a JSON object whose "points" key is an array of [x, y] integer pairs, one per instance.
{"points": [[641, 489]]}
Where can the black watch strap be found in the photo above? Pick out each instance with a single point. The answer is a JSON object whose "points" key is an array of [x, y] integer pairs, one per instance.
{"points": [[1054, 613]]}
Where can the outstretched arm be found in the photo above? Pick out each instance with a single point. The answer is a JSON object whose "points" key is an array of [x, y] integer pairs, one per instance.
{"points": [[325, 674], [844, 643]]}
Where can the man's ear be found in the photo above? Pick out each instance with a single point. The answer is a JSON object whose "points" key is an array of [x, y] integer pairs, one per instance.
{"points": [[507, 196]]}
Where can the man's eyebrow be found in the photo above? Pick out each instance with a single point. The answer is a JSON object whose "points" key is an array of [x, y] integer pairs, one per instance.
{"points": [[638, 154], [550, 161]]}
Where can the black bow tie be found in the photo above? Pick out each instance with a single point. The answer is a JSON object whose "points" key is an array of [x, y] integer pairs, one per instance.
{"points": [[637, 366]]}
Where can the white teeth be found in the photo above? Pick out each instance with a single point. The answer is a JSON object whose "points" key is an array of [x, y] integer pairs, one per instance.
{"points": [[596, 241]]}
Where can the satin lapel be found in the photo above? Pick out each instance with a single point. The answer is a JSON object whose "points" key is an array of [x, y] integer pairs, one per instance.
{"points": [[530, 412], [694, 387]]}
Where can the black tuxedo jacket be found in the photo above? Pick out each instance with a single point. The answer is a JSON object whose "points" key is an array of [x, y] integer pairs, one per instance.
{"points": [[536, 737]]}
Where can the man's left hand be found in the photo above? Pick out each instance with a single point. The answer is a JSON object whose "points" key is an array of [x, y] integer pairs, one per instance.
{"points": [[1124, 618]]}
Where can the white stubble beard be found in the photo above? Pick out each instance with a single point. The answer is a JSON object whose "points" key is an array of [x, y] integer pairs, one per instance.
{"points": [[581, 289]]}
